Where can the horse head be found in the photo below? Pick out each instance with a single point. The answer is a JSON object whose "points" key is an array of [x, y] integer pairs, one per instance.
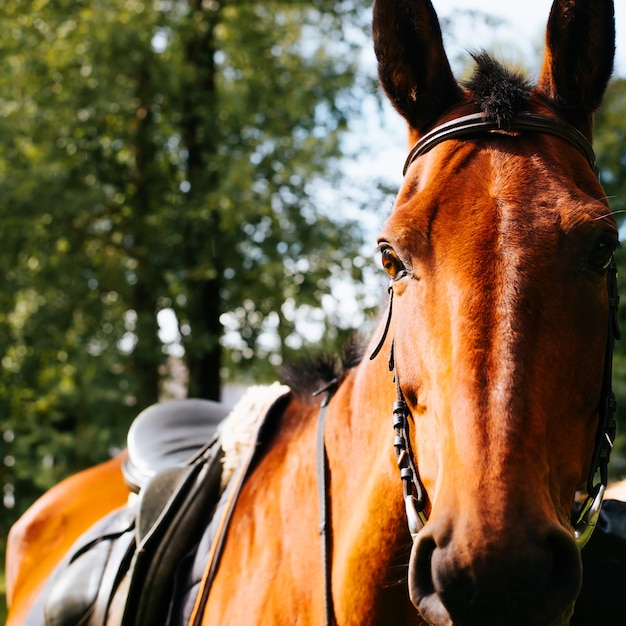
{"points": [[499, 250]]}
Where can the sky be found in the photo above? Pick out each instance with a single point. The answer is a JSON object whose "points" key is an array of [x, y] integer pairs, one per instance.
{"points": [[526, 22]]}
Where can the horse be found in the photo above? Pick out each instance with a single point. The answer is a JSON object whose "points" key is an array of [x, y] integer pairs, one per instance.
{"points": [[451, 471], [40, 538]]}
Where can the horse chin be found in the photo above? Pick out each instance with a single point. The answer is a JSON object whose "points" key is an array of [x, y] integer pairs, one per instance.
{"points": [[434, 613]]}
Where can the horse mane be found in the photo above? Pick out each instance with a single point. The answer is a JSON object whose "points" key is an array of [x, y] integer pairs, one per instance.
{"points": [[500, 92], [310, 373]]}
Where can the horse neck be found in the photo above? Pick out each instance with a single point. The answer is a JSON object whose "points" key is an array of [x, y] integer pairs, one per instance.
{"points": [[359, 433], [371, 543], [277, 537]]}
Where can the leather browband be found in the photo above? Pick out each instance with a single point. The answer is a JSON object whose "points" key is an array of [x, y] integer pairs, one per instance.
{"points": [[480, 123]]}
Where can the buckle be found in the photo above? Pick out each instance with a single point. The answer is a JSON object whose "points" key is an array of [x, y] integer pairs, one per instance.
{"points": [[588, 515]]}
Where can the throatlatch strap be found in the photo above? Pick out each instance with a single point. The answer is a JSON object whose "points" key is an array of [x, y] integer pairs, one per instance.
{"points": [[323, 477]]}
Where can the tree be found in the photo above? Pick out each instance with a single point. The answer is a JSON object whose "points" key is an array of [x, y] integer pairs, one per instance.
{"points": [[610, 142], [160, 156]]}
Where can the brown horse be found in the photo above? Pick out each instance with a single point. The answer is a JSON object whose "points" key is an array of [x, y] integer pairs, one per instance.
{"points": [[498, 335], [42, 536]]}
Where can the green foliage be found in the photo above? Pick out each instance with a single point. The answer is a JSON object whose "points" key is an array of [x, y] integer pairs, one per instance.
{"points": [[610, 142], [161, 155]]}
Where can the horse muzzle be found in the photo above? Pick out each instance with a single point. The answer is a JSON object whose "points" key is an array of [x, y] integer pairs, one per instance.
{"points": [[456, 581]]}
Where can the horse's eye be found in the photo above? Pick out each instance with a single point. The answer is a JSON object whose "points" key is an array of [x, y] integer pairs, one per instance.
{"points": [[391, 262], [602, 255]]}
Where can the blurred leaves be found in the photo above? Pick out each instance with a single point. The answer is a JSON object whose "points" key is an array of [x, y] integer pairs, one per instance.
{"points": [[162, 156]]}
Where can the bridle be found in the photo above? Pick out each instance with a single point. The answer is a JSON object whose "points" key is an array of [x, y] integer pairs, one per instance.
{"points": [[479, 124], [584, 516]]}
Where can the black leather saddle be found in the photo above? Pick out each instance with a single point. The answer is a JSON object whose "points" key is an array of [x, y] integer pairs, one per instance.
{"points": [[174, 465], [169, 434], [149, 557]]}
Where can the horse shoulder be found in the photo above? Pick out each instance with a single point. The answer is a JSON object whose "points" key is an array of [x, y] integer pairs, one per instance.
{"points": [[45, 532], [270, 570]]}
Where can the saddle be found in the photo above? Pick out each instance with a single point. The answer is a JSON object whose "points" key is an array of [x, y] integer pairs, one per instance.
{"points": [[147, 560]]}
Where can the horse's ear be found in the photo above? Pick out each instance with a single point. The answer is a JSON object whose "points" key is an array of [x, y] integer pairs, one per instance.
{"points": [[580, 48], [412, 64]]}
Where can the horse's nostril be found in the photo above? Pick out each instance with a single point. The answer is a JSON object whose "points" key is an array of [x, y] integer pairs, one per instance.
{"points": [[421, 584], [566, 573], [460, 582]]}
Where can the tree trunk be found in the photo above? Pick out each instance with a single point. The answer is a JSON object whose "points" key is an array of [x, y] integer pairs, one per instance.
{"points": [[203, 353], [147, 356]]}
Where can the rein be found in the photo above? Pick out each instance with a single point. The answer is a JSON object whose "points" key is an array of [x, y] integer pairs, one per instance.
{"points": [[413, 491], [414, 494]]}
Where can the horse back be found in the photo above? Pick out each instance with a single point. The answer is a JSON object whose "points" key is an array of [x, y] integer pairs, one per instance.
{"points": [[42, 536]]}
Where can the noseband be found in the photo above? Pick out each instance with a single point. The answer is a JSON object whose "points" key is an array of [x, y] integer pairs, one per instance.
{"points": [[584, 516]]}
